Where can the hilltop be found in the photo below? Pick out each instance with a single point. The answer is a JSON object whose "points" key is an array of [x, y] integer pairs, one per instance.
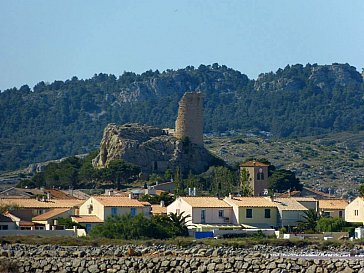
{"points": [[63, 118]]}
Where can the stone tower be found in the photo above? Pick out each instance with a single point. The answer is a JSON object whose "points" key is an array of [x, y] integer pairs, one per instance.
{"points": [[189, 121], [257, 174]]}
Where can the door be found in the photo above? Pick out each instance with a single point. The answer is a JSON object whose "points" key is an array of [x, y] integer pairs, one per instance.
{"points": [[203, 216]]}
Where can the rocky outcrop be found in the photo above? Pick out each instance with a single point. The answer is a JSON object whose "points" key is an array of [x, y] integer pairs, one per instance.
{"points": [[152, 149], [296, 77]]}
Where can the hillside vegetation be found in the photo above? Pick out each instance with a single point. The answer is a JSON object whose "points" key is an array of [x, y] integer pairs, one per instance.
{"points": [[64, 118], [333, 163]]}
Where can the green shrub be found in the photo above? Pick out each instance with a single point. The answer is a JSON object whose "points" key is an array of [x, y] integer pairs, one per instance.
{"points": [[330, 224]]}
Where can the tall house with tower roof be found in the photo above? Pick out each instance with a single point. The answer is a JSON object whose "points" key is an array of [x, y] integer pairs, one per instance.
{"points": [[257, 176]]}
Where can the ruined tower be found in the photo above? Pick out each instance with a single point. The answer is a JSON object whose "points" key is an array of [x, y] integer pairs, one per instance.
{"points": [[189, 121]]}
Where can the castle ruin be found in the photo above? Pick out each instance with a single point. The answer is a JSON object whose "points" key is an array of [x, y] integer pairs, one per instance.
{"points": [[155, 150], [189, 121]]}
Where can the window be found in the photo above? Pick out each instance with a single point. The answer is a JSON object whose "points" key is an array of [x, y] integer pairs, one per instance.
{"points": [[88, 227], [221, 213], [203, 216], [133, 211], [356, 212], [4, 227], [340, 213], [267, 213], [326, 214], [249, 213], [114, 211], [260, 176]]}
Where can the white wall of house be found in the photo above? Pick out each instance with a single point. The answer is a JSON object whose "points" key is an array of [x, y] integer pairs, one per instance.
{"points": [[7, 226], [235, 214], [309, 204], [212, 215], [178, 206], [92, 207], [291, 217], [354, 212], [51, 233]]}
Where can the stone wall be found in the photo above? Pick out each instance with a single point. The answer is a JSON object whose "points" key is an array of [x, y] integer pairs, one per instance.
{"points": [[171, 259], [189, 121]]}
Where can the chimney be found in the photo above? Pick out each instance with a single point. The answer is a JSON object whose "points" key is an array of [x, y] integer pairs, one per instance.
{"points": [[289, 192], [230, 196], [194, 191], [130, 195], [162, 204], [189, 191]]}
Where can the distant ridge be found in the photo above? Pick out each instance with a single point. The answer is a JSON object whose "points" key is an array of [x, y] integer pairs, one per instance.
{"points": [[67, 117]]}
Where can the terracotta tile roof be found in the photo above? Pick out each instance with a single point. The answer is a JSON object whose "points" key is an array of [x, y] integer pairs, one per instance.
{"points": [[117, 193], [205, 202], [333, 204], [117, 201], [290, 194], [320, 193], [57, 194], [157, 209], [50, 214], [253, 163], [13, 217], [30, 191], [159, 192], [33, 203], [288, 204], [87, 219], [146, 204], [23, 223], [251, 202], [304, 199]]}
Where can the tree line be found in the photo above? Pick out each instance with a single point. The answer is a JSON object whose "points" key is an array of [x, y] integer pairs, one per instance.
{"points": [[75, 173], [63, 118]]}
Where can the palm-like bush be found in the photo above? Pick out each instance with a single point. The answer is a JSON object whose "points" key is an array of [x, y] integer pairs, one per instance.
{"points": [[310, 220], [129, 228], [179, 223]]}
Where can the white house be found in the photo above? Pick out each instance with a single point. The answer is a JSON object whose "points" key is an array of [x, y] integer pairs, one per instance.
{"points": [[203, 210]]}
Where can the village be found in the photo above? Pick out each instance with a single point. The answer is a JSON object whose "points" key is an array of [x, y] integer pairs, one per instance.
{"points": [[206, 216], [280, 215], [254, 209]]}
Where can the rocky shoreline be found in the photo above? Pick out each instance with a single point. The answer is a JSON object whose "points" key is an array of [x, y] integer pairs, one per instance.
{"points": [[170, 258]]}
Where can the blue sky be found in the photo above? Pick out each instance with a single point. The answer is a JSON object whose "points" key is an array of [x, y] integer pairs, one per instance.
{"points": [[55, 40]]}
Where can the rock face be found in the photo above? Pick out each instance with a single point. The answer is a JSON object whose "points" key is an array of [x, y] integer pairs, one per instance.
{"points": [[321, 76], [152, 149]]}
